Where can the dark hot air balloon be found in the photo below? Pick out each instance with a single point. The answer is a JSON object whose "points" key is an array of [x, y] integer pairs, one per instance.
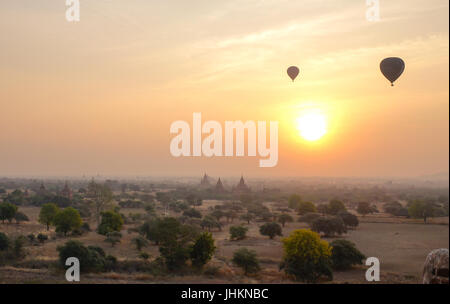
{"points": [[293, 71], [392, 68]]}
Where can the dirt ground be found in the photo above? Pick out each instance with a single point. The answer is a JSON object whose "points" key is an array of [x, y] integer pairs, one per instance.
{"points": [[401, 245]]}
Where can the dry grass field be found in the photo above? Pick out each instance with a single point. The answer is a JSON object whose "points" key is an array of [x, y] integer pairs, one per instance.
{"points": [[400, 244]]}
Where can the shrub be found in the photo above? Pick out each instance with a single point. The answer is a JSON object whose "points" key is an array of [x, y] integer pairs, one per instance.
{"points": [[42, 237], [91, 258], [306, 256], [238, 232], [329, 226], [270, 229], [202, 250], [344, 254], [247, 260]]}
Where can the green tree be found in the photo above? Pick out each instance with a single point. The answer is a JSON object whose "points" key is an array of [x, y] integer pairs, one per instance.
{"points": [[111, 221], [329, 226], [192, 213], [335, 206], [140, 242], [364, 208], [67, 220], [306, 207], [91, 258], [350, 220], [270, 229], [344, 255], [284, 218], [7, 211], [202, 250], [306, 256], [47, 214], [247, 217], [421, 209], [238, 232], [294, 201], [209, 222], [247, 260], [113, 237]]}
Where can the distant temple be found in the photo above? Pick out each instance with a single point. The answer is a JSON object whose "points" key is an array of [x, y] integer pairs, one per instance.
{"points": [[42, 190], [241, 187], [66, 192], [219, 187], [205, 181]]}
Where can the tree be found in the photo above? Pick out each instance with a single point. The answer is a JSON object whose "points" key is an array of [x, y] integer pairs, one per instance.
{"points": [[159, 230], [344, 255], [113, 237], [247, 260], [350, 220], [7, 211], [335, 206], [284, 218], [4, 242], [306, 207], [395, 208], [140, 242], [294, 201], [421, 209], [202, 250], [47, 214], [247, 217], [91, 258], [308, 218], [101, 197], [67, 220], [306, 256], [364, 208], [329, 226], [111, 221], [270, 229], [210, 222], [322, 208], [192, 213], [238, 232], [21, 217]]}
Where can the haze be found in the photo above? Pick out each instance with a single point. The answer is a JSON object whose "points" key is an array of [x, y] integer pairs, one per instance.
{"points": [[98, 96]]}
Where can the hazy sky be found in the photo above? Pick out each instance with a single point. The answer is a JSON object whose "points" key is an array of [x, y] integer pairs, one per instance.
{"points": [[99, 96]]}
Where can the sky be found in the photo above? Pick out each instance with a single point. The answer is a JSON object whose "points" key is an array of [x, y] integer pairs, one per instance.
{"points": [[98, 96]]}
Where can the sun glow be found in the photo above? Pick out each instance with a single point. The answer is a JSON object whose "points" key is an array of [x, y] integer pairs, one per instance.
{"points": [[312, 125]]}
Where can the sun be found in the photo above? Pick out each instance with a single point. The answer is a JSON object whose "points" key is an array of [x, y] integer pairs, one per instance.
{"points": [[312, 125]]}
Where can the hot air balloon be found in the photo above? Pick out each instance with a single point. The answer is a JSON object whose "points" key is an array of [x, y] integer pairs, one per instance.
{"points": [[392, 68], [293, 71]]}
